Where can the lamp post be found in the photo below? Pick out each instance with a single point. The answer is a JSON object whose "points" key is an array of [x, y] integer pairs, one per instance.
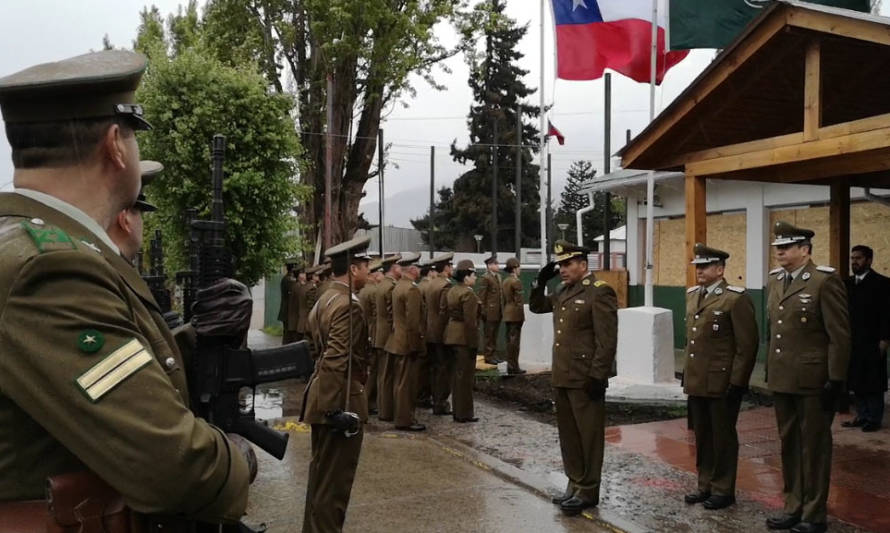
{"points": [[562, 230], [478, 243]]}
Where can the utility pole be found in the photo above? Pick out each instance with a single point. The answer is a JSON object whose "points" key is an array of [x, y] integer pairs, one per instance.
{"points": [[518, 217], [432, 197], [380, 164], [548, 228], [494, 190], [607, 167]]}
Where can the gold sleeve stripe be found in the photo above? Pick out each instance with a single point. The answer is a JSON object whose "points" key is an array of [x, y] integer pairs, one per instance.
{"points": [[91, 376], [118, 375]]}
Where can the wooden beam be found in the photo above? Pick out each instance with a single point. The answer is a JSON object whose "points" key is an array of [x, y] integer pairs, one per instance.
{"points": [[815, 170], [839, 229], [812, 93], [696, 220], [701, 88], [737, 149], [822, 148], [855, 126], [862, 30]]}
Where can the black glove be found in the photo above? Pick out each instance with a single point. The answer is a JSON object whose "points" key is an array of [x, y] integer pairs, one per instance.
{"points": [[830, 394], [546, 273], [222, 309], [734, 393], [242, 445], [596, 389], [344, 421]]}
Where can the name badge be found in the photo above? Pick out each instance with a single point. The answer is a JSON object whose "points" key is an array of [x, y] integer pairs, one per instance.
{"points": [[579, 302]]}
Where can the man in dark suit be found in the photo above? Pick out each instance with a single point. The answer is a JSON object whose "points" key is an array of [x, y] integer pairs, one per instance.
{"points": [[868, 294]]}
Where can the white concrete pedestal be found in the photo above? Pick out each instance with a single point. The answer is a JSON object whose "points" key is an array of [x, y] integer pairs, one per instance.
{"points": [[646, 345], [536, 344]]}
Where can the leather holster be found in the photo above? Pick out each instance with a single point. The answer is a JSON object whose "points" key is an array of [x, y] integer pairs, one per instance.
{"points": [[81, 502]]}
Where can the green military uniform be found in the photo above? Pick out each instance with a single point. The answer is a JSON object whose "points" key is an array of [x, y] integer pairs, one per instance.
{"points": [[385, 361], [721, 347], [290, 304], [424, 389], [491, 296], [585, 323], [90, 375], [462, 337], [405, 344], [809, 350], [367, 297], [441, 360], [304, 298], [514, 316], [340, 373]]}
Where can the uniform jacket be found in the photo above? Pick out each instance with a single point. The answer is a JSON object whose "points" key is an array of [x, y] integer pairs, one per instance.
{"points": [[491, 296], [424, 285], [286, 282], [869, 307], [514, 306], [463, 310], [809, 330], [293, 306], [407, 317], [721, 340], [383, 305], [69, 303], [585, 323], [367, 297], [326, 391], [436, 309], [306, 295]]}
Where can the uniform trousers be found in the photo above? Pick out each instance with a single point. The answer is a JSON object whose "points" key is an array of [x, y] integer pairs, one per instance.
{"points": [[289, 336], [371, 387], [870, 407], [331, 473], [514, 334], [441, 374], [716, 443], [581, 424], [490, 331], [424, 382], [385, 375], [805, 431], [464, 377], [405, 388]]}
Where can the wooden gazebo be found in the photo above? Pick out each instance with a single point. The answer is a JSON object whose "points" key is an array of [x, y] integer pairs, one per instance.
{"points": [[801, 96]]}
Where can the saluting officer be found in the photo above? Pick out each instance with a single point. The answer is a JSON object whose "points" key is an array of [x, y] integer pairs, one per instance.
{"points": [[91, 378], [334, 401], [809, 352], [721, 347], [514, 315], [367, 296], [406, 342], [491, 296], [585, 320], [440, 358], [385, 361]]}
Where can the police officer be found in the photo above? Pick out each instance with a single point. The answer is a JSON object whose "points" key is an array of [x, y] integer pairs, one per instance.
{"points": [[809, 352], [385, 361], [514, 315], [424, 390], [721, 347], [462, 338], [126, 228], [290, 304], [406, 342], [306, 295], [491, 295], [585, 320], [441, 360], [334, 402], [91, 378], [367, 297]]}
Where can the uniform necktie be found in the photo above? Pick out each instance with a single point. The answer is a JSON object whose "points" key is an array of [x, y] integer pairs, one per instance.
{"points": [[702, 294], [787, 283]]}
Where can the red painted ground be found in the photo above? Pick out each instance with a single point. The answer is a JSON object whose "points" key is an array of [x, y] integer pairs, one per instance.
{"points": [[860, 475]]}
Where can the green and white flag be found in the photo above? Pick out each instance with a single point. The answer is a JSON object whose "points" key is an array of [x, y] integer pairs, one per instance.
{"points": [[715, 23]]}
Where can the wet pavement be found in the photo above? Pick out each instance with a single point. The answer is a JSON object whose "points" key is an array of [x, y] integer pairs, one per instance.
{"points": [[497, 475]]}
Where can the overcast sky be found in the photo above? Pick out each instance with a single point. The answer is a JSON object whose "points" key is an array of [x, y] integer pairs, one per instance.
{"points": [[36, 31]]}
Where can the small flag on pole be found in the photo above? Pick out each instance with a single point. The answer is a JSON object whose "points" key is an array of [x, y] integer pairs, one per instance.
{"points": [[553, 132]]}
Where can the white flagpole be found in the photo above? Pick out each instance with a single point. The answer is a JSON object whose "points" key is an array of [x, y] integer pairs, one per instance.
{"points": [[648, 298], [542, 170]]}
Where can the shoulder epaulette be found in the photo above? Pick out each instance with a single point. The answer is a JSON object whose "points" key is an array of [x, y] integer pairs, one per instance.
{"points": [[733, 288], [49, 238], [776, 270], [693, 288], [600, 283], [823, 268]]}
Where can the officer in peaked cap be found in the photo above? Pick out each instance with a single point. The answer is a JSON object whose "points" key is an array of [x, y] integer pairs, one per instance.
{"points": [[441, 361], [289, 308], [461, 337], [367, 297], [514, 314], [585, 320], [71, 126], [126, 228], [808, 357], [406, 343], [306, 295], [392, 272], [424, 389], [334, 402], [721, 347], [491, 296]]}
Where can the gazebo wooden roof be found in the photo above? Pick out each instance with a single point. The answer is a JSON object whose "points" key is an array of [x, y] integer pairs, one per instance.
{"points": [[801, 96]]}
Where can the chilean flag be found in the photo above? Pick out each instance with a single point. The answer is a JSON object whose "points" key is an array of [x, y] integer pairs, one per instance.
{"points": [[593, 35]]}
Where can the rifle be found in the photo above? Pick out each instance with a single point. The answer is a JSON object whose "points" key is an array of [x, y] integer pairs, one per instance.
{"points": [[156, 278], [218, 371]]}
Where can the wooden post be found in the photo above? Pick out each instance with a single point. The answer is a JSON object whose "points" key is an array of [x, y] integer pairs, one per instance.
{"points": [[812, 112], [696, 219], [839, 228]]}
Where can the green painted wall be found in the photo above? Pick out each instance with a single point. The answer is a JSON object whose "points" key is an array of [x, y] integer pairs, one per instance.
{"points": [[273, 300]]}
